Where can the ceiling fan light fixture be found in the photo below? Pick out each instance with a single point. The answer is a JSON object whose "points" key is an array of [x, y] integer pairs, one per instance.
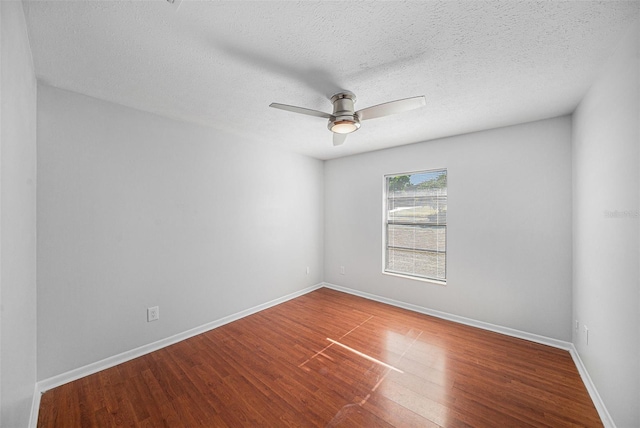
{"points": [[345, 119], [344, 126]]}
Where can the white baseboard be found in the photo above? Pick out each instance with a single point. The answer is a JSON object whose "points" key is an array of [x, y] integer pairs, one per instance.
{"points": [[607, 420], [35, 407], [61, 379], [561, 344], [567, 346]]}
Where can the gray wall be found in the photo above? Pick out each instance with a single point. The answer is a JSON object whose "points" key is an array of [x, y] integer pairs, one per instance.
{"points": [[509, 225], [136, 210], [606, 256], [18, 219]]}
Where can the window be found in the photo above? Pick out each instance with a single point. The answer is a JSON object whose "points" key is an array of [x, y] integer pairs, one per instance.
{"points": [[415, 223]]}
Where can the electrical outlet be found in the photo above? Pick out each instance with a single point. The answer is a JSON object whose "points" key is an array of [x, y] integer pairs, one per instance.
{"points": [[308, 270], [586, 333], [153, 313], [577, 325], [341, 270]]}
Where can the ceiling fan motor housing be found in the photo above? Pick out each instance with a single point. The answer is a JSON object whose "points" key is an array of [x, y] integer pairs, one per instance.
{"points": [[343, 120]]}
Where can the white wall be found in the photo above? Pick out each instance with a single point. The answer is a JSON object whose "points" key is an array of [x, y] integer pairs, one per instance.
{"points": [[18, 218], [136, 210], [509, 225], [606, 256]]}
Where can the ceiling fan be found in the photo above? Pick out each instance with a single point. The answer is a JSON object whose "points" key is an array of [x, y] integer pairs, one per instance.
{"points": [[344, 120]]}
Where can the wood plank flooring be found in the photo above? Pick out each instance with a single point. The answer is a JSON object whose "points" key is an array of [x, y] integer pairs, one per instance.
{"points": [[334, 360]]}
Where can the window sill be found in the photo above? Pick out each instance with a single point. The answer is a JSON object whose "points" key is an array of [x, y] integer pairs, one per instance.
{"points": [[416, 278]]}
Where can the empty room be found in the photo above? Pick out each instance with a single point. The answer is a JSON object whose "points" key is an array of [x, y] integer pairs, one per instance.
{"points": [[319, 213]]}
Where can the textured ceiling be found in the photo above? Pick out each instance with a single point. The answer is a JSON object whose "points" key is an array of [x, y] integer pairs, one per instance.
{"points": [[480, 64]]}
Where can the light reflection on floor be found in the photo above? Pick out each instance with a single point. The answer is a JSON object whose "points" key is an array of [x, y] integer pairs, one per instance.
{"points": [[420, 388], [402, 372]]}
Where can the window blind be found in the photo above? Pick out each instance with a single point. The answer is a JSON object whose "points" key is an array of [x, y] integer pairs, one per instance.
{"points": [[416, 224]]}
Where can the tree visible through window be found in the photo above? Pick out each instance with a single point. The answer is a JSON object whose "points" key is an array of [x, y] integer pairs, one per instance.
{"points": [[416, 224]]}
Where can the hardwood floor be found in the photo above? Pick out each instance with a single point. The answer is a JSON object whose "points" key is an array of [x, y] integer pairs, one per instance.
{"points": [[335, 360]]}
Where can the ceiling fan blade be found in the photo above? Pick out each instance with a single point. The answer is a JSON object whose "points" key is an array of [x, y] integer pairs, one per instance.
{"points": [[338, 139], [392, 107], [301, 110]]}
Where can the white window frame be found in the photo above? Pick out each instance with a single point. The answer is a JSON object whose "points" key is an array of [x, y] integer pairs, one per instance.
{"points": [[385, 237]]}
